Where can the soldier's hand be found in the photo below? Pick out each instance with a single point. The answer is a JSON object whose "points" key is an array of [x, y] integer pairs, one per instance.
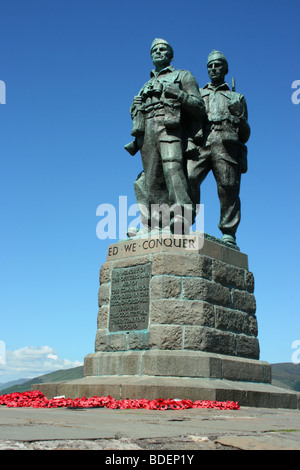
{"points": [[137, 101], [172, 91]]}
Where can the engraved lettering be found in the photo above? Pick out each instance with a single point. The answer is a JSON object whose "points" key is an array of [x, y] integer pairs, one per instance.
{"points": [[129, 303], [129, 248]]}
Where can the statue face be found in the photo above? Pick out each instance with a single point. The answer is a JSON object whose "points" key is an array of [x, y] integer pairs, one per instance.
{"points": [[161, 55], [217, 70]]}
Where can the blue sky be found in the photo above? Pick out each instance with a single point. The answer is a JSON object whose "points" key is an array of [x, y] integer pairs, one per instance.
{"points": [[71, 69]]}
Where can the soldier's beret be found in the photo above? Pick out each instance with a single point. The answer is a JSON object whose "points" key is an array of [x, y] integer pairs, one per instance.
{"points": [[216, 55], [161, 41]]}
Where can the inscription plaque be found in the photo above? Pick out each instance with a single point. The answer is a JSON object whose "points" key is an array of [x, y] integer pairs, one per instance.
{"points": [[129, 299]]}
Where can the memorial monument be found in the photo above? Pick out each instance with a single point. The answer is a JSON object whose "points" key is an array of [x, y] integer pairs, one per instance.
{"points": [[177, 311]]}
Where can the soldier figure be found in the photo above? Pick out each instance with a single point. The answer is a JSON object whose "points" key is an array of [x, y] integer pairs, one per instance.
{"points": [[166, 116], [223, 148]]}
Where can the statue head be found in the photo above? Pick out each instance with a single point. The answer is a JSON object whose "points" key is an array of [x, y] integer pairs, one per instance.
{"points": [[217, 67], [161, 53]]}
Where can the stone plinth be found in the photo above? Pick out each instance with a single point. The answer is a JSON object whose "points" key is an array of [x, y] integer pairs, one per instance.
{"points": [[177, 319], [191, 364], [188, 294]]}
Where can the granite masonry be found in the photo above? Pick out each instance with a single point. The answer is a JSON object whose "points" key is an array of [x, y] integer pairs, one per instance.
{"points": [[177, 318]]}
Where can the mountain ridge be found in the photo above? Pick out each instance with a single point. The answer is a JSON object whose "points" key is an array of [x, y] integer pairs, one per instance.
{"points": [[60, 375]]}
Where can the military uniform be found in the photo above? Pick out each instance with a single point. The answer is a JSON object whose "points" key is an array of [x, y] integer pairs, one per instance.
{"points": [[164, 129], [223, 151]]}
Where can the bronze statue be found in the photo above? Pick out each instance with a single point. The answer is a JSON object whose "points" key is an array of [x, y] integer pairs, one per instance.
{"points": [[167, 120], [223, 149], [183, 133]]}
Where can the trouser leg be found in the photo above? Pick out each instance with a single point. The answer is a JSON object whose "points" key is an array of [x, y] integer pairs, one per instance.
{"points": [[197, 169], [142, 198], [228, 179], [151, 188], [180, 203]]}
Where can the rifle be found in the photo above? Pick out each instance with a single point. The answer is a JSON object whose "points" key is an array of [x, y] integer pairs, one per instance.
{"points": [[233, 83]]}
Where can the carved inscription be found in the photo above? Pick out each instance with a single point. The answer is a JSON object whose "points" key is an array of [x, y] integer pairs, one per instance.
{"points": [[154, 245], [129, 301]]}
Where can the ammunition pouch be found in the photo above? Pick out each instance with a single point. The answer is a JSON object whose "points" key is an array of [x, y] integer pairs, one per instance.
{"points": [[172, 117]]}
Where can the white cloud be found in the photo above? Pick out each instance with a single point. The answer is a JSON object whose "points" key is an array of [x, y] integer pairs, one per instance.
{"points": [[31, 361], [53, 356]]}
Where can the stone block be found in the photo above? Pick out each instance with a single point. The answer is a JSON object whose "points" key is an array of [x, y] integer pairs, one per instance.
{"points": [[228, 275], [103, 294], [110, 364], [131, 261], [242, 300], [182, 264], [131, 363], [91, 365], [234, 257], [116, 342], [249, 281], [268, 373], [182, 312], [117, 364], [165, 337], [232, 320], [253, 327], [247, 346], [100, 341], [235, 370], [165, 287], [209, 339], [211, 249], [180, 364], [105, 272], [202, 289], [110, 341], [102, 319], [244, 369], [138, 339]]}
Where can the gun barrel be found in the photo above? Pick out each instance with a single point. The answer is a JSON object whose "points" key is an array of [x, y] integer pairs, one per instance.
{"points": [[233, 83]]}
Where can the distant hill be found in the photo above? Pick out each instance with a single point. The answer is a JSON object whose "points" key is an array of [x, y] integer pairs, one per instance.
{"points": [[57, 376], [284, 375], [287, 375], [12, 383]]}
